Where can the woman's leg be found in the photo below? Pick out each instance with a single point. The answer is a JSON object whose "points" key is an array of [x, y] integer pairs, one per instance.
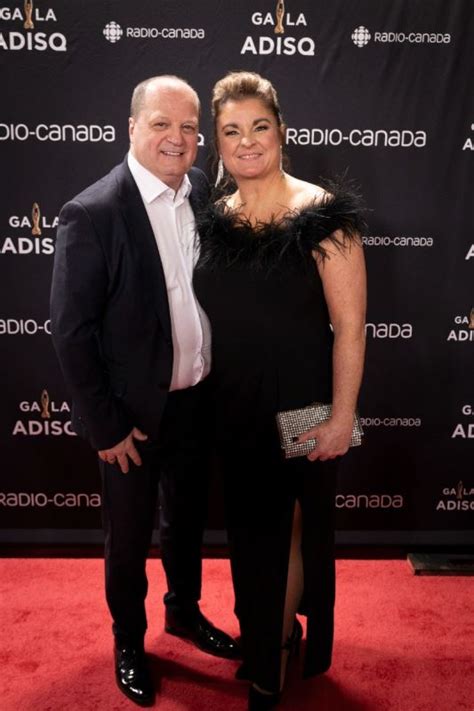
{"points": [[294, 589], [294, 586]]}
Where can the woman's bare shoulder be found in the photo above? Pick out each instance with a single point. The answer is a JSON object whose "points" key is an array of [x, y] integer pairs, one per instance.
{"points": [[304, 193]]}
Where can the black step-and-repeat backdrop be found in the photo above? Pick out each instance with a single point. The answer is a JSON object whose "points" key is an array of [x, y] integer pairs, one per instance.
{"points": [[380, 89]]}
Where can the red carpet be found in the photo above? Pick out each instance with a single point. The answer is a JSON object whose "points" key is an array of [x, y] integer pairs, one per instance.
{"points": [[402, 643]]}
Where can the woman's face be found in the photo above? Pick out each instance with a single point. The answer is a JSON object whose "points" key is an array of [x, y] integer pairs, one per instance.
{"points": [[249, 139]]}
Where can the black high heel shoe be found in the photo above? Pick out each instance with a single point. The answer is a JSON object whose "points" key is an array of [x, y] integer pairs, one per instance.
{"points": [[292, 644], [259, 700]]}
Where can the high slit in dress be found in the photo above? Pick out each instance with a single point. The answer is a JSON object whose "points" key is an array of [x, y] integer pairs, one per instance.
{"points": [[271, 351]]}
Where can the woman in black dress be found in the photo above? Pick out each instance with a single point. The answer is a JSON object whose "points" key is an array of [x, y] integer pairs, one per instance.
{"points": [[281, 276]]}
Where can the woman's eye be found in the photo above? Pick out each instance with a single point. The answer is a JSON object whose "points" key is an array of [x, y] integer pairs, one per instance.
{"points": [[231, 132], [262, 127]]}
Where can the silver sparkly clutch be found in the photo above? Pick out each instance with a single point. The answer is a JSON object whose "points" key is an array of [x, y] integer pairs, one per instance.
{"points": [[292, 423]]}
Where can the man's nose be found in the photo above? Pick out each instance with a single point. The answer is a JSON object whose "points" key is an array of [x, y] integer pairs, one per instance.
{"points": [[175, 135]]}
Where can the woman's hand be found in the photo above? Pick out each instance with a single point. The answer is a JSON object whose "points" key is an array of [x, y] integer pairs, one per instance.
{"points": [[332, 439]]}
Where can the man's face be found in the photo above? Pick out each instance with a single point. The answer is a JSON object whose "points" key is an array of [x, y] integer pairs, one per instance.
{"points": [[164, 135]]}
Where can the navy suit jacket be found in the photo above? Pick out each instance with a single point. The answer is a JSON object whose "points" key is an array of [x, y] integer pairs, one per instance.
{"points": [[110, 316]]}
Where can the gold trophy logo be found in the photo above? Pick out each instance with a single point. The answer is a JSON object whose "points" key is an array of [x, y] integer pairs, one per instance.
{"points": [[471, 319], [28, 23], [45, 413], [459, 490], [279, 15], [36, 216]]}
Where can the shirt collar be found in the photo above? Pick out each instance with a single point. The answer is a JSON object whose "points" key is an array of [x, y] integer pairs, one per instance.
{"points": [[151, 187]]}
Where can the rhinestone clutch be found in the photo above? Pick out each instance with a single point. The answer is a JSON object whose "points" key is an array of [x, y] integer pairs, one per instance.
{"points": [[292, 423]]}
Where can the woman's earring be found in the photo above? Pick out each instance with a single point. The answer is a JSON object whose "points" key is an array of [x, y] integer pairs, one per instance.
{"points": [[281, 159], [220, 171]]}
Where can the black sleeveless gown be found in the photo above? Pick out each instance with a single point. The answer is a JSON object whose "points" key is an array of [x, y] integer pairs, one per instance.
{"points": [[272, 350]]}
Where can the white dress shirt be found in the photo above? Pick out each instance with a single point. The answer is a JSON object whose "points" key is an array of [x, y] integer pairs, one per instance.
{"points": [[173, 224]]}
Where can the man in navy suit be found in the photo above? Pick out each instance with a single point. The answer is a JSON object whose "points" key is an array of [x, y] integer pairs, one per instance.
{"points": [[134, 347]]}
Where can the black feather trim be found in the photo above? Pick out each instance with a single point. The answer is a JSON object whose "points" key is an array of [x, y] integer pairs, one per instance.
{"points": [[227, 239]]}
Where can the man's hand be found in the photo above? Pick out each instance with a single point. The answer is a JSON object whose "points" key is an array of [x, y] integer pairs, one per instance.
{"points": [[123, 450], [332, 440]]}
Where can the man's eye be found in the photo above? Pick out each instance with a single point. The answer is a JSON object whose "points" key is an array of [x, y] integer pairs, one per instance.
{"points": [[189, 128], [160, 124]]}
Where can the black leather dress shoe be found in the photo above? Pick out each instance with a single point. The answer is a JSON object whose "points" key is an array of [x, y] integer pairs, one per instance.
{"points": [[133, 677], [203, 634]]}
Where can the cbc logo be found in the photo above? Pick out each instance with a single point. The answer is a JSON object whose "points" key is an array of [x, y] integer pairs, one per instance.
{"points": [[361, 36], [112, 32]]}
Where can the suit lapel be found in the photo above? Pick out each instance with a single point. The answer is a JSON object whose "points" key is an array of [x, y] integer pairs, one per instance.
{"points": [[140, 230]]}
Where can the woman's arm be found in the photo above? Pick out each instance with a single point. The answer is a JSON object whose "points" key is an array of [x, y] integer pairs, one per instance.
{"points": [[344, 282]]}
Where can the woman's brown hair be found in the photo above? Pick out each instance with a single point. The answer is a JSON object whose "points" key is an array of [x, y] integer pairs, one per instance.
{"points": [[236, 86]]}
